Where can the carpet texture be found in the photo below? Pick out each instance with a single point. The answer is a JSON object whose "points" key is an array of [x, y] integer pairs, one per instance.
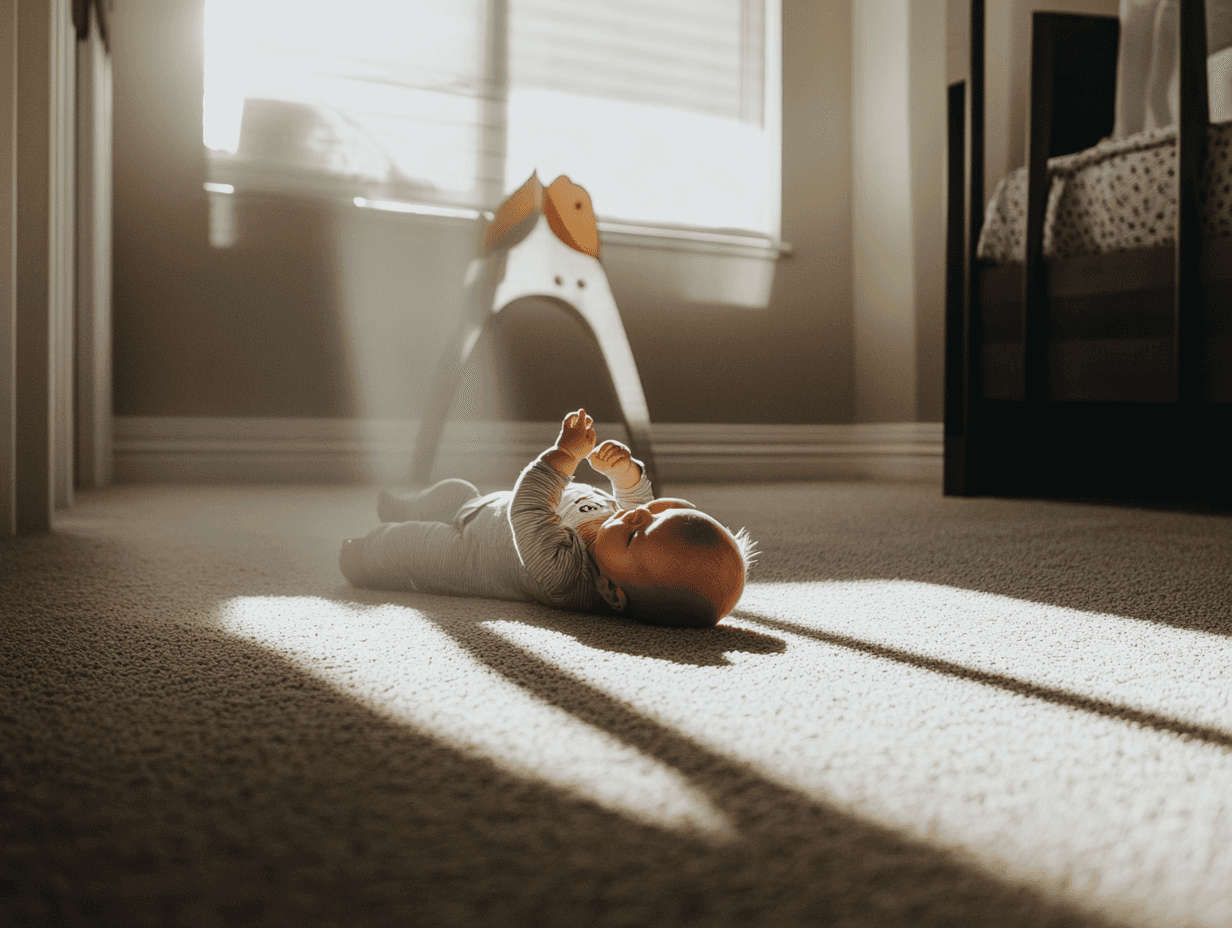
{"points": [[925, 711]]}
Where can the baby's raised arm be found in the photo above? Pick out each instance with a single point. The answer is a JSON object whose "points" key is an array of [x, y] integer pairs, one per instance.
{"points": [[575, 442], [616, 462]]}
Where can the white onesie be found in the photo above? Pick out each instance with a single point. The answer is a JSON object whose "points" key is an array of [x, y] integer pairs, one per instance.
{"points": [[529, 543]]}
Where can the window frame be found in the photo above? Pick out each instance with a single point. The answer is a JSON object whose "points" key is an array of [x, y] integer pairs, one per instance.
{"points": [[229, 175]]}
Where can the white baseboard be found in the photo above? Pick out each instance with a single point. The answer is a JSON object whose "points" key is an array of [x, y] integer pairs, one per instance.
{"points": [[155, 449]]}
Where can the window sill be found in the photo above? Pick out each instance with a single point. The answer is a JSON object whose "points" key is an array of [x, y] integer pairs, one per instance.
{"points": [[613, 232], [694, 240], [230, 176], [689, 265]]}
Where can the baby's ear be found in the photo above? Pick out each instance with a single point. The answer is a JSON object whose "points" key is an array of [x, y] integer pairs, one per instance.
{"points": [[613, 595]]}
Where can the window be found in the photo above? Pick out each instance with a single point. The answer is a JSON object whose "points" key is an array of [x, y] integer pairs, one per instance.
{"points": [[665, 110]]}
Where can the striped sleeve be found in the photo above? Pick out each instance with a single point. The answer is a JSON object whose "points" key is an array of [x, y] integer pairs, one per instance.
{"points": [[555, 556], [639, 495]]}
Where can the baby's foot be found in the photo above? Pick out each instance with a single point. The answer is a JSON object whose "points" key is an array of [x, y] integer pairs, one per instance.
{"points": [[351, 562], [390, 508]]}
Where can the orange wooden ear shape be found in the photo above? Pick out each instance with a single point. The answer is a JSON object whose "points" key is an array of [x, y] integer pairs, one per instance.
{"points": [[523, 203], [566, 206], [571, 216]]}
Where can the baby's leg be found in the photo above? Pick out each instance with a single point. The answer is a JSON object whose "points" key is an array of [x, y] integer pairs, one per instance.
{"points": [[432, 557], [438, 503], [429, 557]]}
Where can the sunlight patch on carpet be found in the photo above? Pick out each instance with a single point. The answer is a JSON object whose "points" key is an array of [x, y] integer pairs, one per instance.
{"points": [[1077, 752], [408, 667], [1146, 665], [1089, 755]]}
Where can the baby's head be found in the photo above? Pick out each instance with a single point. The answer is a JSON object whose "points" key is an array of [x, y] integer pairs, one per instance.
{"points": [[670, 564]]}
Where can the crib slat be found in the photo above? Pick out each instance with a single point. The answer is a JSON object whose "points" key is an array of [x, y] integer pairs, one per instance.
{"points": [[1040, 112], [1072, 106], [965, 214], [957, 387], [1191, 149]]}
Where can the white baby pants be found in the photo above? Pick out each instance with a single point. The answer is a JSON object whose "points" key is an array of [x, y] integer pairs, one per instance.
{"points": [[447, 539]]}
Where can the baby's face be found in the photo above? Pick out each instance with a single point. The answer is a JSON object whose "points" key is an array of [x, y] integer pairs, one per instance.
{"points": [[640, 547]]}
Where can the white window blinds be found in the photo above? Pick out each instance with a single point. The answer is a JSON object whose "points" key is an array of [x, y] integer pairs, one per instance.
{"points": [[665, 110], [696, 55]]}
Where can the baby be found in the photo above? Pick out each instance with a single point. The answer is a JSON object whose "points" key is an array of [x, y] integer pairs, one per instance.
{"points": [[564, 544]]}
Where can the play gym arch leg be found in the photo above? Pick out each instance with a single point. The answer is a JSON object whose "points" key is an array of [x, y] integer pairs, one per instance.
{"points": [[488, 283]]}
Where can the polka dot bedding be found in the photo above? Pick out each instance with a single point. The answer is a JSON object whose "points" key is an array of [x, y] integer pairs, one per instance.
{"points": [[1119, 195]]}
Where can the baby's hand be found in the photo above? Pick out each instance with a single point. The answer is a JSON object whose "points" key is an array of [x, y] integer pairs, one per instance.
{"points": [[616, 462], [575, 442]]}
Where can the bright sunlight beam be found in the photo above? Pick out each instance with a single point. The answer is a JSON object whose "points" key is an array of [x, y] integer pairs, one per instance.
{"points": [[379, 78], [408, 668], [1141, 665], [1088, 755], [387, 92], [878, 706], [650, 163]]}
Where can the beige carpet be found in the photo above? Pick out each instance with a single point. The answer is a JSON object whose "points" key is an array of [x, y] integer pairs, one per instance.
{"points": [[926, 711]]}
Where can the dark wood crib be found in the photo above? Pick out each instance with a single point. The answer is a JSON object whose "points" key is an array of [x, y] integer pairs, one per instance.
{"points": [[1102, 376]]}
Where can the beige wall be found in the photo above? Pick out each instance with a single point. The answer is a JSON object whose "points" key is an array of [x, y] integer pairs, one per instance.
{"points": [[883, 272], [898, 139], [928, 138], [322, 312]]}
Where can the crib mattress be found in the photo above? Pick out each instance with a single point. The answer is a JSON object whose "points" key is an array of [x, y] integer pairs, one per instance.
{"points": [[1119, 195]]}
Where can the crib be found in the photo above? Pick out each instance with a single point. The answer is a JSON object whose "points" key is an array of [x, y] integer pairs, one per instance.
{"points": [[1089, 302]]}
